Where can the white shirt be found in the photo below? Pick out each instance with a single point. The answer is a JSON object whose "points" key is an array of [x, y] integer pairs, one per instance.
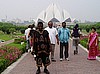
{"points": [[52, 34], [26, 33]]}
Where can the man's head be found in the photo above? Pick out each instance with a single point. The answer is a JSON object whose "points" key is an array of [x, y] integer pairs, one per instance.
{"points": [[40, 26], [29, 26], [76, 26], [33, 25], [63, 24], [50, 24]]}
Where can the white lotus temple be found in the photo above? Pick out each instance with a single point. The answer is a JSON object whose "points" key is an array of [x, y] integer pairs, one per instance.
{"points": [[53, 13]]}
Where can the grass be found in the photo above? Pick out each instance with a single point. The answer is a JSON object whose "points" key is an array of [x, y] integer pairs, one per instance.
{"points": [[15, 45], [5, 37], [84, 31]]}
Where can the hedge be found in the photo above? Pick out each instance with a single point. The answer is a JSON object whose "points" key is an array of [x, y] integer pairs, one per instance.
{"points": [[83, 42], [3, 64]]}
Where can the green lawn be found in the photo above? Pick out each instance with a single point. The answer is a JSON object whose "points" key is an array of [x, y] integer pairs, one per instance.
{"points": [[84, 31], [15, 45], [19, 34], [5, 37]]}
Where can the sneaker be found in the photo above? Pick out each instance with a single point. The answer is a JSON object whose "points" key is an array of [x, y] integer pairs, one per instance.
{"points": [[38, 72], [46, 71], [61, 59], [29, 50], [67, 59]]}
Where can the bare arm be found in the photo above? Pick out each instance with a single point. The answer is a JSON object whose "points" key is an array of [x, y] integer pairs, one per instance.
{"points": [[57, 39], [97, 41]]}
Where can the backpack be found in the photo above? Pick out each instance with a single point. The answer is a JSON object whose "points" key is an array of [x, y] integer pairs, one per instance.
{"points": [[75, 32]]}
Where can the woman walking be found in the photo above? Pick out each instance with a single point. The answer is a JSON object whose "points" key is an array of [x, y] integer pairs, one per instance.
{"points": [[93, 44]]}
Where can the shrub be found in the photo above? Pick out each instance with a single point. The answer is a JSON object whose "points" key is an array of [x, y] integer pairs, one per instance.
{"points": [[3, 64], [19, 40], [87, 29], [9, 54], [22, 31], [83, 42]]}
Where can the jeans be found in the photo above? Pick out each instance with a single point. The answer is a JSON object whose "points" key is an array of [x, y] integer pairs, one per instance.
{"points": [[66, 45]]}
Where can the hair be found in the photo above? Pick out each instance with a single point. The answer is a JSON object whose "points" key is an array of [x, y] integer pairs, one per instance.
{"points": [[51, 22], [29, 26], [40, 23], [93, 28], [63, 22], [76, 26], [33, 25]]}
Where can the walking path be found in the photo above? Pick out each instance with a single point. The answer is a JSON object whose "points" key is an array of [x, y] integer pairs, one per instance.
{"points": [[6, 42], [78, 64]]}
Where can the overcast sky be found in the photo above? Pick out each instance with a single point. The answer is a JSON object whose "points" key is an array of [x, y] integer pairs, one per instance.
{"points": [[26, 9]]}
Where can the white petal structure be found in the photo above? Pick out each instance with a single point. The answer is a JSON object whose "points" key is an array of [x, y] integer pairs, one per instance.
{"points": [[57, 13], [52, 13], [49, 13], [66, 16], [41, 17]]}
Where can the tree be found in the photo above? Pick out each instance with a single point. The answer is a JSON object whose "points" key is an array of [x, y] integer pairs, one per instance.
{"points": [[87, 29], [12, 30]]}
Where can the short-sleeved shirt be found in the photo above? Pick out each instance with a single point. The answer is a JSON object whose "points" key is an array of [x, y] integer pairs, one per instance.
{"points": [[52, 34], [26, 33]]}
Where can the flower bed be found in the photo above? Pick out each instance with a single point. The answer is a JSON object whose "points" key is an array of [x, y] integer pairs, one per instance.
{"points": [[9, 54]]}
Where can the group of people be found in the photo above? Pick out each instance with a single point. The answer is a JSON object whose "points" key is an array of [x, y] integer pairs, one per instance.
{"points": [[42, 42]]}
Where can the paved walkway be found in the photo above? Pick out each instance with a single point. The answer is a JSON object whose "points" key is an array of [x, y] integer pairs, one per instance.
{"points": [[78, 64], [6, 42]]}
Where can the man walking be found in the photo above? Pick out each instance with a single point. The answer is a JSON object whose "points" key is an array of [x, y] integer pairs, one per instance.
{"points": [[27, 38], [53, 35], [63, 34], [76, 33]]}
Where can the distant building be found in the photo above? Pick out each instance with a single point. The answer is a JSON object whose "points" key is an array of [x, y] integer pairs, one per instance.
{"points": [[3, 20]]}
